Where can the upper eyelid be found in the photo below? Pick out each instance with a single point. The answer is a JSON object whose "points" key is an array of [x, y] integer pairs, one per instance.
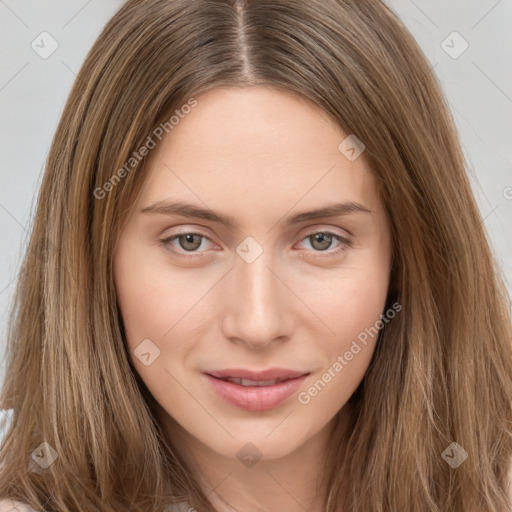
{"points": [[347, 239], [309, 230]]}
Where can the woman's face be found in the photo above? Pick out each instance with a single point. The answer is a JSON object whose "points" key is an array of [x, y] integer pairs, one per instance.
{"points": [[273, 291]]}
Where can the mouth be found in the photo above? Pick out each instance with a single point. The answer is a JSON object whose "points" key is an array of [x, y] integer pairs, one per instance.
{"points": [[249, 383], [256, 390], [268, 375]]}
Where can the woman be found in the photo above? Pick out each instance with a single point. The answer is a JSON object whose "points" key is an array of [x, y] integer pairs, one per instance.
{"points": [[258, 278]]}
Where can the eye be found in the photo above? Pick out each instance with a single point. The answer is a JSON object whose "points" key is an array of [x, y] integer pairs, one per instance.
{"points": [[190, 242], [320, 241]]}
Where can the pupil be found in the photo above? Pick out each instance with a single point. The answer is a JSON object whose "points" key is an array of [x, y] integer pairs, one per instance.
{"points": [[189, 239], [326, 238]]}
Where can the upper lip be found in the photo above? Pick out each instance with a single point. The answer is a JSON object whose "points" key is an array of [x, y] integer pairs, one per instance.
{"points": [[258, 375]]}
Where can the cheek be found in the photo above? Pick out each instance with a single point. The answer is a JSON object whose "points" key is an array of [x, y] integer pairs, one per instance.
{"points": [[151, 298], [352, 297], [357, 302], [158, 316], [355, 320], [352, 307]]}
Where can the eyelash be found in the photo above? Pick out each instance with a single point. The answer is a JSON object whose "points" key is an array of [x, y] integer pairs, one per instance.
{"points": [[166, 243]]}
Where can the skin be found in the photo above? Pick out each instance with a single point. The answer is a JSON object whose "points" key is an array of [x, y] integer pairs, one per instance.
{"points": [[260, 156]]}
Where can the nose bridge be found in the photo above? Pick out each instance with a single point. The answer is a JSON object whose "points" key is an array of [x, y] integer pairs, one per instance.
{"points": [[258, 282], [257, 308]]}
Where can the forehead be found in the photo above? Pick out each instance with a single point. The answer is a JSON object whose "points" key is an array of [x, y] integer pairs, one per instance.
{"points": [[256, 147]]}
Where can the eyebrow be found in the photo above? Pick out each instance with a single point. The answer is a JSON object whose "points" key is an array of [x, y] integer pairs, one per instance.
{"points": [[185, 209]]}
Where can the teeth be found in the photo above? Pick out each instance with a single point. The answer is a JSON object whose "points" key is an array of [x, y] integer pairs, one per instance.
{"points": [[247, 382]]}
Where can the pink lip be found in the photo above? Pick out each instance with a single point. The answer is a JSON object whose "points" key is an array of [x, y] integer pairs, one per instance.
{"points": [[256, 398]]}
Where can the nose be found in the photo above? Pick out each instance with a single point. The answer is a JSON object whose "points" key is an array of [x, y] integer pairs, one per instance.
{"points": [[257, 305]]}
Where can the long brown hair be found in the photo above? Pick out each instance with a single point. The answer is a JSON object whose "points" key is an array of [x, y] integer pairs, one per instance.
{"points": [[442, 369]]}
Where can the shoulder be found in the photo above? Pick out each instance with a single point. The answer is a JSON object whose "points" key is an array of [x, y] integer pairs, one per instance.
{"points": [[14, 506]]}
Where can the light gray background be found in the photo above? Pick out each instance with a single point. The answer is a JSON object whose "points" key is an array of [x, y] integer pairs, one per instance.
{"points": [[478, 85]]}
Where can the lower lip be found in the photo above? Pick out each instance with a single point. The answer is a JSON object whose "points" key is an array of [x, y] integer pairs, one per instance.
{"points": [[256, 398]]}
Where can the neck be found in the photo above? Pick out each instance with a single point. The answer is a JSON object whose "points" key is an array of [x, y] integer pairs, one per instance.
{"points": [[295, 482]]}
